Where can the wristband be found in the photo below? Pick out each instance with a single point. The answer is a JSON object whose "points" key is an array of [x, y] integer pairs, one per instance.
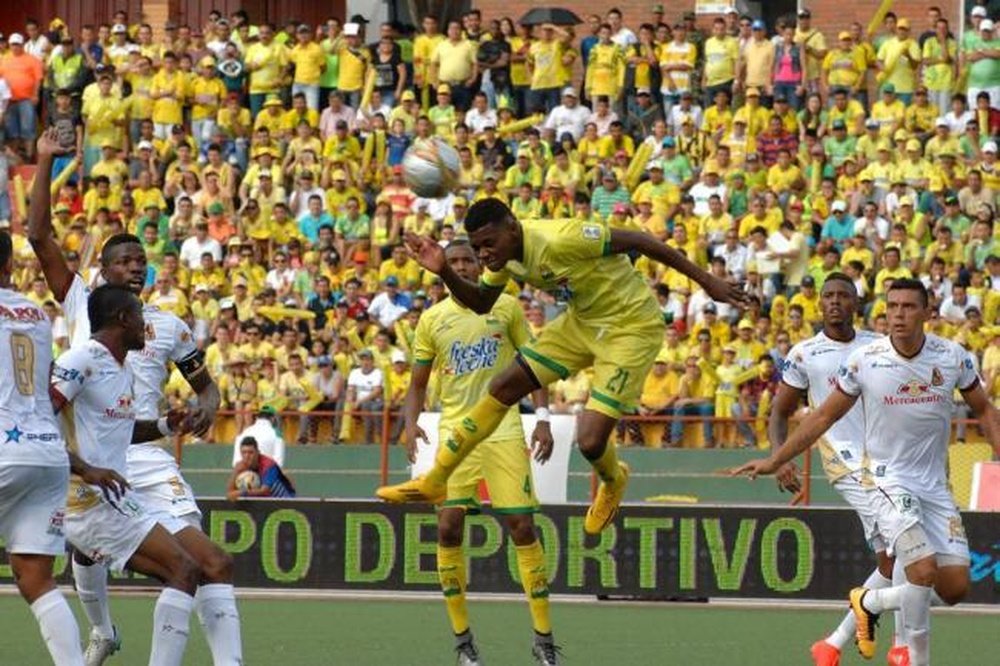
{"points": [[542, 414], [163, 426]]}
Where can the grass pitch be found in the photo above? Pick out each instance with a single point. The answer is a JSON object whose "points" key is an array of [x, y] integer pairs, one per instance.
{"points": [[315, 632]]}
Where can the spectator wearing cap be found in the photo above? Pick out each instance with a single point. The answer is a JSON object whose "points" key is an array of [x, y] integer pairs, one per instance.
{"points": [[66, 69], [609, 193], [980, 53], [814, 49], [889, 111], [898, 59], [309, 61], [266, 61], [570, 117], [24, 74], [365, 395], [756, 64], [646, 112], [330, 384], [454, 64], [390, 303], [844, 66]]}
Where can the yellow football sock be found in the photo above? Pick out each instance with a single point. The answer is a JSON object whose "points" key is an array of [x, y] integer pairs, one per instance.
{"points": [[451, 573], [481, 421], [606, 465], [531, 565]]}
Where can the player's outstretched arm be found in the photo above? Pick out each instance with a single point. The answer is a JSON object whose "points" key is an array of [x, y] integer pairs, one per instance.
{"points": [[198, 378], [40, 233], [623, 241], [988, 415], [416, 397], [785, 403], [176, 422], [477, 297], [814, 425]]}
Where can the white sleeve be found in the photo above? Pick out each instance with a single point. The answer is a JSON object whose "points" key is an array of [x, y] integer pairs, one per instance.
{"points": [[792, 372], [849, 375], [69, 373], [184, 344], [279, 450], [968, 377]]}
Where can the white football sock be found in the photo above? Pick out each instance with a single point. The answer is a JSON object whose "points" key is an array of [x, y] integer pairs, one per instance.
{"points": [[916, 612], [898, 578], [59, 628], [846, 630], [170, 627], [216, 606], [92, 589], [888, 598]]}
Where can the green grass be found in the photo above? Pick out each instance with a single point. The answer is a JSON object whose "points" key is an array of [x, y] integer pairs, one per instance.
{"points": [[307, 632]]}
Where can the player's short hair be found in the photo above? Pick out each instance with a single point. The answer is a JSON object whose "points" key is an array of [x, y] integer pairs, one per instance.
{"points": [[909, 284], [6, 248], [485, 212], [115, 241], [841, 277], [106, 303], [251, 442]]}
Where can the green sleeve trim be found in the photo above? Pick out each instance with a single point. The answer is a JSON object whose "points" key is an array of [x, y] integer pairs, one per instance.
{"points": [[547, 362], [607, 400], [421, 361], [515, 510], [461, 503]]}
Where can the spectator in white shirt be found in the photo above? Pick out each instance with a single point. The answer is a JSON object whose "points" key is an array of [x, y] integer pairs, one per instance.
{"points": [[602, 116], [480, 116], [269, 441], [281, 277], [389, 305], [199, 244], [365, 391], [330, 383], [298, 203], [954, 308], [703, 190], [570, 117], [735, 254]]}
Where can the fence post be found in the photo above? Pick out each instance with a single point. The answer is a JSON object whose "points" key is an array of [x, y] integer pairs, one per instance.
{"points": [[384, 462]]}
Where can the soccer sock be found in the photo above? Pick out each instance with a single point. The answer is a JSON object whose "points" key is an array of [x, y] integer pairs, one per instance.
{"points": [[451, 573], [888, 598], [916, 611], [59, 628], [845, 631], [216, 606], [531, 565], [481, 421], [170, 627], [606, 464], [898, 578], [92, 589]]}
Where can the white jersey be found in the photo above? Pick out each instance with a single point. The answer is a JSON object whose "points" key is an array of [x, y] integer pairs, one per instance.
{"points": [[29, 432], [812, 366], [99, 416], [908, 405], [167, 339]]}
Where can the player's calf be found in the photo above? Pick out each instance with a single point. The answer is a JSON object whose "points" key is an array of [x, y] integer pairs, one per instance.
{"points": [[216, 564]]}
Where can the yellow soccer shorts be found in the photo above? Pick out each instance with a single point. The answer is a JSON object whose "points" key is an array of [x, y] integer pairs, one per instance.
{"points": [[621, 357], [505, 466]]}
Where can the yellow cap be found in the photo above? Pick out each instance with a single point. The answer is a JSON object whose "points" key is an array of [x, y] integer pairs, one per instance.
{"points": [[730, 348], [903, 23], [745, 323], [408, 96], [844, 35], [444, 89], [906, 201], [460, 201], [901, 135], [663, 356], [913, 144], [273, 100], [339, 174]]}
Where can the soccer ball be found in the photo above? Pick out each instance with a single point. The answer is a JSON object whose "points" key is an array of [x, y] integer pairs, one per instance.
{"points": [[431, 168], [248, 480]]}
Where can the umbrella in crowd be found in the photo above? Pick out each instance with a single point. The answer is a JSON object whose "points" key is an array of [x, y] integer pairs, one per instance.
{"points": [[553, 15]]}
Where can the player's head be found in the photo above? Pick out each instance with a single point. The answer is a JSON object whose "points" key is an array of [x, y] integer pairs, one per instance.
{"points": [[249, 452], [494, 233], [907, 308], [6, 258], [838, 300], [462, 259], [123, 262], [116, 308]]}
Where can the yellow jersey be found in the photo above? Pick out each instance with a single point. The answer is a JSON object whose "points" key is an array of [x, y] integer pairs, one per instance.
{"points": [[574, 262], [467, 350]]}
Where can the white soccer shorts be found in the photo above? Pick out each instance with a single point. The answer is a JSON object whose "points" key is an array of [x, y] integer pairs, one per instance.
{"points": [[33, 508], [897, 509], [110, 532], [171, 503], [858, 498]]}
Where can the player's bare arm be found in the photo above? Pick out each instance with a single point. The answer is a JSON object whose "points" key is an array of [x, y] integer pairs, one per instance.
{"points": [[177, 421], [542, 441], [623, 241], [786, 402], [195, 372], [109, 481], [479, 298], [814, 425], [416, 396], [988, 415], [40, 232]]}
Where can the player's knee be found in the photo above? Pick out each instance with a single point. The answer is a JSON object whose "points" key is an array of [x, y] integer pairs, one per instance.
{"points": [[451, 525], [185, 573], [217, 567], [885, 565], [953, 593], [522, 529], [922, 572]]}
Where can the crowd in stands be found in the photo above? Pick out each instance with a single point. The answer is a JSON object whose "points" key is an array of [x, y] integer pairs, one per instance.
{"points": [[261, 167]]}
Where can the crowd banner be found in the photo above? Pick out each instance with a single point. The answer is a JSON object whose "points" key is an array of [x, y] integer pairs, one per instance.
{"points": [[550, 478], [652, 552]]}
